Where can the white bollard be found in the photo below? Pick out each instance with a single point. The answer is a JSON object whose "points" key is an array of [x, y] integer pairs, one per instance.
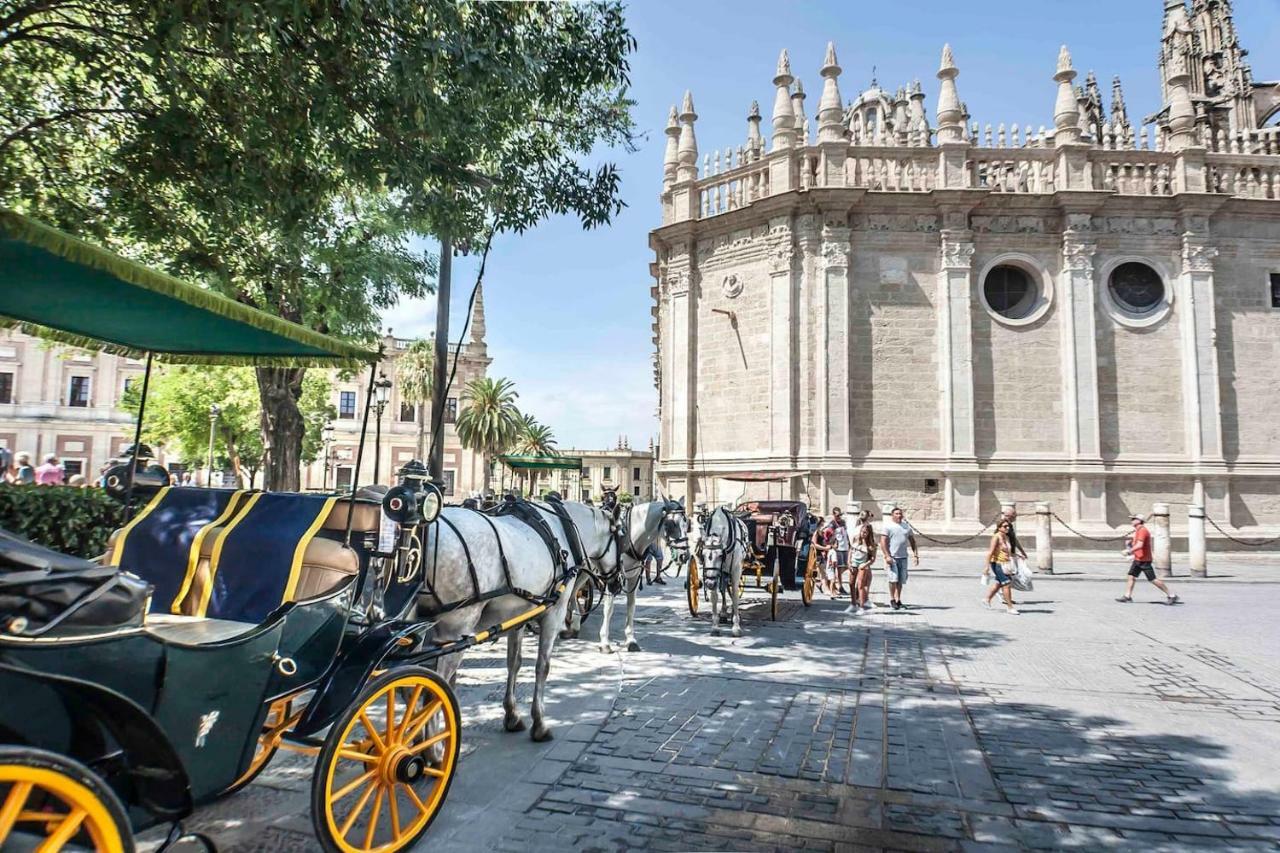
{"points": [[1195, 541], [1044, 538], [853, 509], [1161, 543]]}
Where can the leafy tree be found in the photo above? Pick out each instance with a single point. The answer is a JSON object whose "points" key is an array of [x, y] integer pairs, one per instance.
{"points": [[178, 406], [487, 422], [533, 439], [415, 371], [285, 153]]}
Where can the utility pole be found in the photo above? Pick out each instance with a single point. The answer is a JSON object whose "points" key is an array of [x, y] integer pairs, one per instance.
{"points": [[435, 465]]}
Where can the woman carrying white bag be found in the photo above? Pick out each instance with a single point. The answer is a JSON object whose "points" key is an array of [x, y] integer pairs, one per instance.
{"points": [[998, 558]]}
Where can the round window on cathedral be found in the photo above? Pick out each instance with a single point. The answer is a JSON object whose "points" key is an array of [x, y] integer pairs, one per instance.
{"points": [[1136, 288], [1009, 291]]}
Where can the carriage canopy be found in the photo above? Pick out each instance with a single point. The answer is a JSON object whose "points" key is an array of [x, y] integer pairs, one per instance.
{"points": [[93, 298]]}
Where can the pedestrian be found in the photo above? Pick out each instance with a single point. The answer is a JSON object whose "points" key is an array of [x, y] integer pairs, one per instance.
{"points": [[895, 539], [840, 550], [1139, 548], [24, 474], [998, 557], [50, 473], [6, 465], [862, 555], [1010, 514], [652, 562], [78, 481]]}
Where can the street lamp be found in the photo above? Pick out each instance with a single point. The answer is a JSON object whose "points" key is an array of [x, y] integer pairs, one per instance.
{"points": [[326, 436], [381, 391], [214, 411]]}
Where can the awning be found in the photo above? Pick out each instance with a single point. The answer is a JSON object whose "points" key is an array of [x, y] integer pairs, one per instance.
{"points": [[524, 463], [93, 298]]}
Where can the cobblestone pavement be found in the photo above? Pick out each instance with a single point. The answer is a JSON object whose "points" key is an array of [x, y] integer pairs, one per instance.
{"points": [[1082, 723]]}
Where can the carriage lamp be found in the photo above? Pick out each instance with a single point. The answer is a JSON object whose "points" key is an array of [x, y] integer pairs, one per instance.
{"points": [[326, 436], [381, 391], [215, 411]]}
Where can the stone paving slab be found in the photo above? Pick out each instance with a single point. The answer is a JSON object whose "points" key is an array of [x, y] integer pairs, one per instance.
{"points": [[1082, 723]]}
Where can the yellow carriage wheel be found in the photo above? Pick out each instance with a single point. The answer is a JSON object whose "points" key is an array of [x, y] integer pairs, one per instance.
{"points": [[280, 718], [50, 803], [694, 586], [810, 578], [387, 764]]}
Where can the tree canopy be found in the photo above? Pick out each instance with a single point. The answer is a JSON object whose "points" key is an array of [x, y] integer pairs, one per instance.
{"points": [[287, 153]]}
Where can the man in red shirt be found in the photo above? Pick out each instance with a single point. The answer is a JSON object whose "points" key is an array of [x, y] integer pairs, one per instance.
{"points": [[1140, 549]]}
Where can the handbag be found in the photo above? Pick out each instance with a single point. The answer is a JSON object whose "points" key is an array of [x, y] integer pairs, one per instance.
{"points": [[1021, 575]]}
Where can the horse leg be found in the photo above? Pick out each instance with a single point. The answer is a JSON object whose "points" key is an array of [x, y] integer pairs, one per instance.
{"points": [[511, 717], [734, 592], [630, 629], [574, 617], [606, 616], [546, 642], [716, 597]]}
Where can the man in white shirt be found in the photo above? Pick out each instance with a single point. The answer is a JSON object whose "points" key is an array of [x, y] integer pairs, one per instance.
{"points": [[894, 541]]}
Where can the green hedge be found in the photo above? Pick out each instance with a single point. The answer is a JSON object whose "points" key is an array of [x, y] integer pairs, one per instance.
{"points": [[64, 518]]}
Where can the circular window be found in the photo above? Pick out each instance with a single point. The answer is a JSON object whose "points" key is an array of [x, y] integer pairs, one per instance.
{"points": [[1009, 291], [1136, 288]]}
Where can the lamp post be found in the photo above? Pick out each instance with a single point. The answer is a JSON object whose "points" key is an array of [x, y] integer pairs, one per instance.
{"points": [[214, 412], [381, 391], [326, 436]]}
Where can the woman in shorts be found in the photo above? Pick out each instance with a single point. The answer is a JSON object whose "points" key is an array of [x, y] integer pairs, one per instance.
{"points": [[998, 559], [862, 554]]}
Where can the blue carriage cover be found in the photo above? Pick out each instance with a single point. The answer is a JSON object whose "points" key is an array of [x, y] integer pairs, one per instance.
{"points": [[257, 560], [162, 543]]}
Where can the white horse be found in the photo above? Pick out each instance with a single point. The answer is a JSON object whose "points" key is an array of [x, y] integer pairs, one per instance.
{"points": [[448, 566], [620, 564], [722, 548]]}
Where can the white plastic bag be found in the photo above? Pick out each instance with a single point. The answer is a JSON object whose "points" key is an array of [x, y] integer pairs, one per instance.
{"points": [[1021, 575]]}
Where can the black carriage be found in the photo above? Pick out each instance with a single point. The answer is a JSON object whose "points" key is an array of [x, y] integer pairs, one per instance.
{"points": [[221, 625]]}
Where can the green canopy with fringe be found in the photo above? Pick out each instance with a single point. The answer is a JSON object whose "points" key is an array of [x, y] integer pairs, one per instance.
{"points": [[524, 463], [93, 298]]}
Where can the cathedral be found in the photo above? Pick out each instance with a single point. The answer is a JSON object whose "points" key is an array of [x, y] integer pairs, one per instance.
{"points": [[947, 317]]}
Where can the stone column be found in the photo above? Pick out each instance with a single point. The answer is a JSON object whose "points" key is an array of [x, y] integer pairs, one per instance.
{"points": [[1196, 542], [955, 366], [681, 359], [782, 346], [1080, 369], [1197, 323], [1161, 546], [1044, 538], [833, 393]]}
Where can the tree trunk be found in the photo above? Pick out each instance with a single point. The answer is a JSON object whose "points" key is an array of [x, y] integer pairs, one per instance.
{"points": [[488, 470], [280, 389]]}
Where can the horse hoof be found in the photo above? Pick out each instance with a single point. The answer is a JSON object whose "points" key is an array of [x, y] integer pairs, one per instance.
{"points": [[541, 734], [715, 632], [606, 649], [737, 632], [513, 724], [567, 635], [633, 646]]}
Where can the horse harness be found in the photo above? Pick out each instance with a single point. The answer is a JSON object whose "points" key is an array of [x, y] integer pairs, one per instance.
{"points": [[728, 547]]}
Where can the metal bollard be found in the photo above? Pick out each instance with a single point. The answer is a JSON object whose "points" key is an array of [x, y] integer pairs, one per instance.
{"points": [[1195, 541], [1161, 544], [1044, 538]]}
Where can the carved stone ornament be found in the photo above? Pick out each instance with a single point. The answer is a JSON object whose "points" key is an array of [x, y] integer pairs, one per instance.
{"points": [[677, 282], [1078, 256], [1079, 222], [925, 223], [732, 285], [781, 255], [1004, 224], [956, 253], [1197, 257], [835, 253]]}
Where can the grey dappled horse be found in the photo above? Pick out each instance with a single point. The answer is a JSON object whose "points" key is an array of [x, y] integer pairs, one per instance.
{"points": [[722, 549]]}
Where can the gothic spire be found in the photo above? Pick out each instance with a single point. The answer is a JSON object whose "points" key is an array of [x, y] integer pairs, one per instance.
{"points": [[755, 142], [671, 157], [1066, 109], [1119, 114], [687, 151], [784, 118], [477, 320], [797, 107], [950, 113], [830, 107]]}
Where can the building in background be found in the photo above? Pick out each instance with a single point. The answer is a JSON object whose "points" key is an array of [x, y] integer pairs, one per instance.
{"points": [[948, 317], [622, 469], [58, 399], [463, 471]]}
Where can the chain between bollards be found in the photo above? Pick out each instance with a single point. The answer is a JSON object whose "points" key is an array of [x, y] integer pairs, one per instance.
{"points": [[1246, 543], [1119, 538]]}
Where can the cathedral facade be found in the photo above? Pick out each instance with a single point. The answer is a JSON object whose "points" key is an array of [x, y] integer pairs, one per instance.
{"points": [[947, 317]]}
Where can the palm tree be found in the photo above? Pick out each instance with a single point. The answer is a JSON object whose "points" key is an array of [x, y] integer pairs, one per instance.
{"points": [[415, 371], [487, 423], [534, 439]]}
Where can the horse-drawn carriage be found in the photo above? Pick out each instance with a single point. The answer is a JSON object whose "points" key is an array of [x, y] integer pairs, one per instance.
{"points": [[221, 625], [772, 536]]}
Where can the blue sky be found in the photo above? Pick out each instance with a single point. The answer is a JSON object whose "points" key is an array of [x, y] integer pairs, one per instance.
{"points": [[568, 309]]}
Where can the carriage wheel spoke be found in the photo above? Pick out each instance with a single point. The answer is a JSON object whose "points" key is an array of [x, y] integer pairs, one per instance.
{"points": [[373, 732], [372, 828], [354, 755], [413, 795], [429, 742], [394, 808], [392, 728], [408, 711], [68, 828], [413, 728], [12, 806], [358, 810], [351, 786]]}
